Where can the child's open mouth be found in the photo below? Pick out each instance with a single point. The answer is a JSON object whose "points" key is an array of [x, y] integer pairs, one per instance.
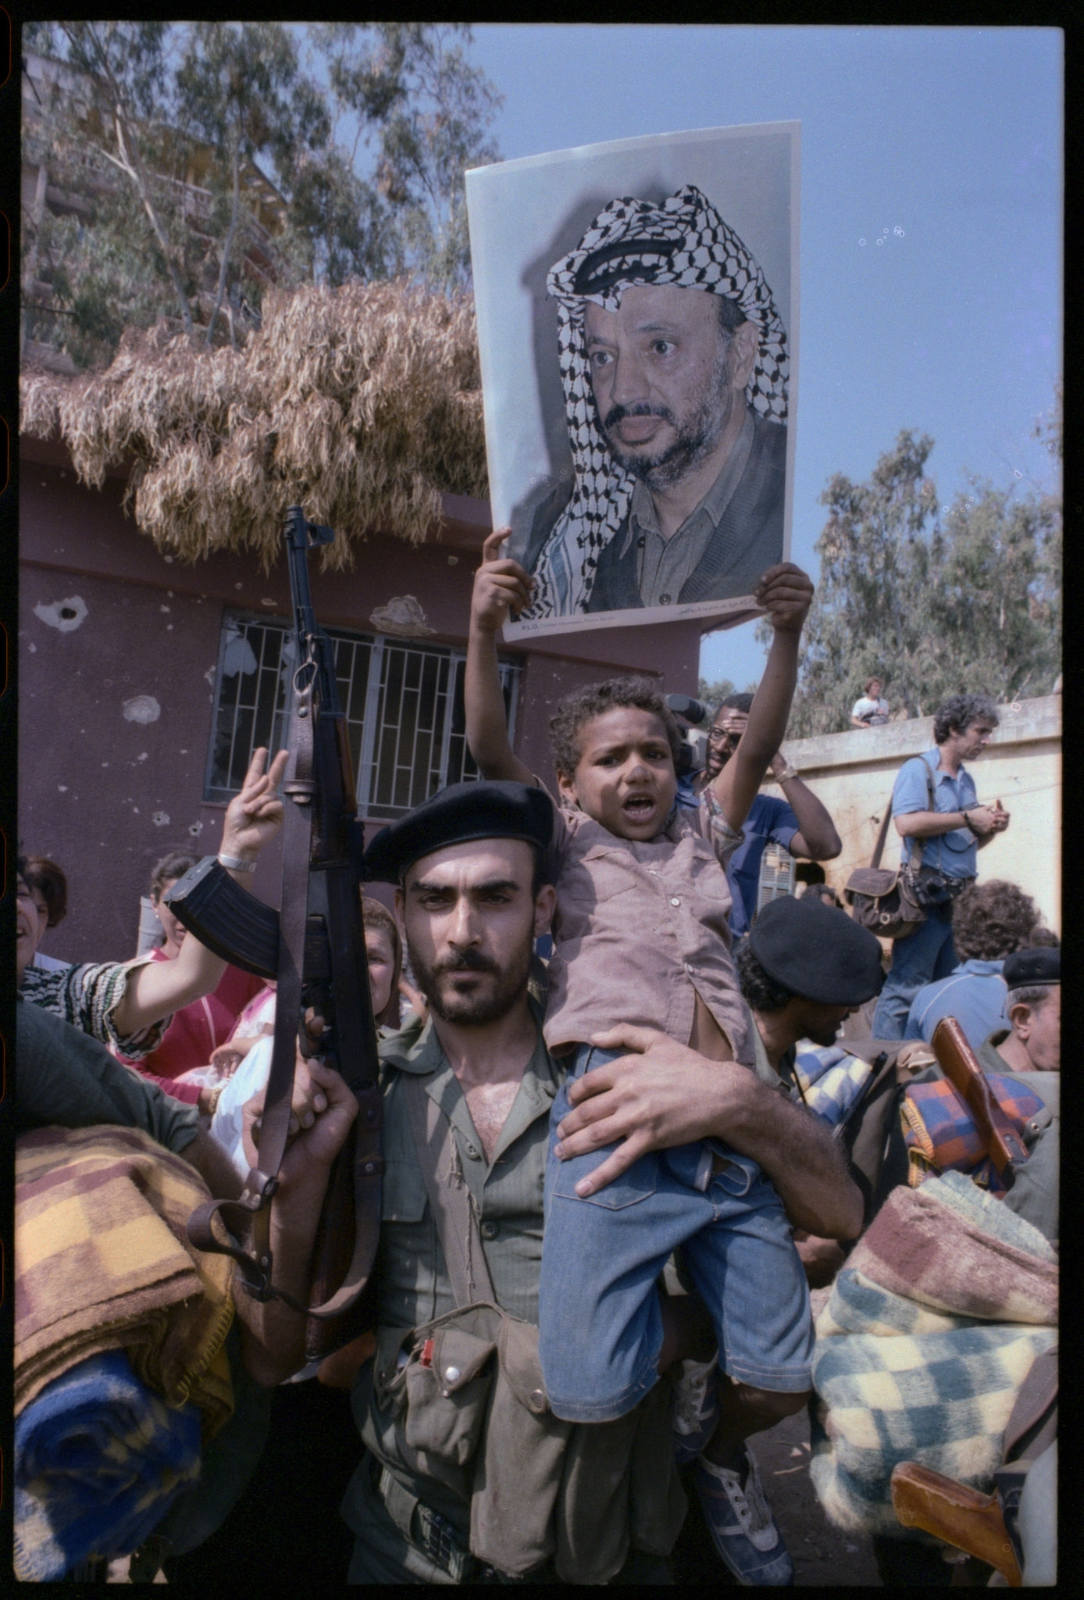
{"points": [[639, 807]]}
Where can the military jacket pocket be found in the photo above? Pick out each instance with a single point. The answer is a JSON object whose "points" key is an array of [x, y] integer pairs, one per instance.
{"points": [[447, 1394]]}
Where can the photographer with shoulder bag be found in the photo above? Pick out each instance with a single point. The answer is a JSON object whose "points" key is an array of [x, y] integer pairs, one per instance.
{"points": [[937, 814]]}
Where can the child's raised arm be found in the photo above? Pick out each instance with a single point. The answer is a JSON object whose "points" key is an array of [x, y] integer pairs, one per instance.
{"points": [[500, 587], [785, 591]]}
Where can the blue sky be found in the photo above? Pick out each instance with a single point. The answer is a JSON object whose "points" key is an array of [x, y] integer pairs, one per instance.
{"points": [[951, 327]]}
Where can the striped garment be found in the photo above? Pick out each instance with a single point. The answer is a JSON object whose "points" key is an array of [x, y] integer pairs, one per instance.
{"points": [[98, 1460], [87, 996], [930, 1375], [102, 1262], [940, 1133]]}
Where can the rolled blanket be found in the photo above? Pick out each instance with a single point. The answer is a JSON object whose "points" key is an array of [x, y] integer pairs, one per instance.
{"points": [[97, 1461], [940, 1395], [959, 1250], [921, 1350], [831, 1080], [940, 1133], [102, 1262]]}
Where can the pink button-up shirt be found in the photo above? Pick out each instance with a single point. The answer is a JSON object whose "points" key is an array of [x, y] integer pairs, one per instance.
{"points": [[641, 929]]}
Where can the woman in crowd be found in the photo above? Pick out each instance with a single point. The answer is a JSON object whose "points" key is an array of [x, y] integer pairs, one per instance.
{"points": [[384, 954], [199, 1028], [49, 889], [127, 1006]]}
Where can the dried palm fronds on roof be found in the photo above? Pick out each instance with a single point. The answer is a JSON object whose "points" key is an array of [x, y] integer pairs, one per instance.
{"points": [[362, 404]]}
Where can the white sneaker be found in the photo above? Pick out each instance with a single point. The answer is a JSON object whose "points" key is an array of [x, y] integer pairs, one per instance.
{"points": [[697, 1408], [741, 1524]]}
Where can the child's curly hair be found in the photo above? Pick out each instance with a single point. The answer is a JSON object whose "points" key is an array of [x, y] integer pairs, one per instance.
{"points": [[594, 701]]}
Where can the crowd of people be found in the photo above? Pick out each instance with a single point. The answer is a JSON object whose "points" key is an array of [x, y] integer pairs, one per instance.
{"points": [[610, 1180]]}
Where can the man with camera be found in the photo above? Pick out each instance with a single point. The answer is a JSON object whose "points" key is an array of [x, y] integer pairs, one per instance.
{"points": [[951, 831]]}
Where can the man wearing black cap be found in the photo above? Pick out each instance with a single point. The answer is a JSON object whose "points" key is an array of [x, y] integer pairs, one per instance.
{"points": [[804, 968], [472, 897], [1033, 1046], [1032, 1042]]}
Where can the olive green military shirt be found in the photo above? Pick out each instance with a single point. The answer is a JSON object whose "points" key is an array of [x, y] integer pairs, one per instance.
{"points": [[413, 1285], [507, 1192]]}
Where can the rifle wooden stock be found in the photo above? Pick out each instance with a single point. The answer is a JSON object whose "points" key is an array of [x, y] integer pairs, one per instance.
{"points": [[961, 1067], [961, 1517]]}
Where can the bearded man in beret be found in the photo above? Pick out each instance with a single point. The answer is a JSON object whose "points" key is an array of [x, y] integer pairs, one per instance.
{"points": [[473, 894]]}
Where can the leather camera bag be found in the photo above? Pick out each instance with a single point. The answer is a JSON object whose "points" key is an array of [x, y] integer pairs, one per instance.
{"points": [[883, 900]]}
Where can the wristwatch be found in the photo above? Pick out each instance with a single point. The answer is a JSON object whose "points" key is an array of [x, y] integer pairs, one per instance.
{"points": [[787, 773]]}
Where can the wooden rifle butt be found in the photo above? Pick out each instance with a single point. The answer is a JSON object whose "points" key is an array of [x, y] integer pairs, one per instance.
{"points": [[959, 1516]]}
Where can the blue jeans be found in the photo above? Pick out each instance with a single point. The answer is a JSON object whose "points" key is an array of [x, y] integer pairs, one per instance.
{"points": [[921, 958], [600, 1322]]}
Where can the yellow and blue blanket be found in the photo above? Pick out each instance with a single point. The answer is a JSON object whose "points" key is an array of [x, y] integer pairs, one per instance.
{"points": [[98, 1460], [921, 1350], [102, 1262]]}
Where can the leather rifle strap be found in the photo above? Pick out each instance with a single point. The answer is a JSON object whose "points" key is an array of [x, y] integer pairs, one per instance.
{"points": [[262, 1179], [449, 1197]]}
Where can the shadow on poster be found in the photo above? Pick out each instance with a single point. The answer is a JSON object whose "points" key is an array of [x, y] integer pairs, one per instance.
{"points": [[637, 324]]}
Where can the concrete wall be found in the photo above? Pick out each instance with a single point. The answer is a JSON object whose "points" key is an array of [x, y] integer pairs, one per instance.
{"points": [[108, 781], [853, 773]]}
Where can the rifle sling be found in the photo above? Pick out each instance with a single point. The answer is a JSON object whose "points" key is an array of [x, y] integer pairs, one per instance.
{"points": [[262, 1180]]}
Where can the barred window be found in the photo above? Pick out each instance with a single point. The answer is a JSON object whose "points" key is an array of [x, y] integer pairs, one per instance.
{"points": [[402, 700]]}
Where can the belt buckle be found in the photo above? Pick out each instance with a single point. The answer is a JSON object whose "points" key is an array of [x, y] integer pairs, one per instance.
{"points": [[439, 1540]]}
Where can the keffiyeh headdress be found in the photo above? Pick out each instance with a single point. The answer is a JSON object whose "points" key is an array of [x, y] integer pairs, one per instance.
{"points": [[684, 242]]}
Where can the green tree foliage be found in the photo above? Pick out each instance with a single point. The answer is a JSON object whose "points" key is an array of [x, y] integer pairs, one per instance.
{"points": [[413, 92], [713, 694], [208, 163], [934, 606]]}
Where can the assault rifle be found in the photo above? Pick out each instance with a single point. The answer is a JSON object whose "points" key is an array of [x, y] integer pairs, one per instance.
{"points": [[315, 948], [961, 1067]]}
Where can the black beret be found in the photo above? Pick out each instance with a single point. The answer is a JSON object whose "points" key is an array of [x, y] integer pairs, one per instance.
{"points": [[460, 812], [1026, 967], [817, 951]]}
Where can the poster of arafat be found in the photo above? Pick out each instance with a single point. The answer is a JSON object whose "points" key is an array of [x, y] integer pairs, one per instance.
{"points": [[637, 311]]}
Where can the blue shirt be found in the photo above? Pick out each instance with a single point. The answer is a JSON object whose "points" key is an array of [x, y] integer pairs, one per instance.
{"points": [[769, 822], [974, 994], [956, 853]]}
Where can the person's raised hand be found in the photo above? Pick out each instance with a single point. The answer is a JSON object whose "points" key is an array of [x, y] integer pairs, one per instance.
{"points": [[501, 586], [307, 1103], [786, 593], [254, 815]]}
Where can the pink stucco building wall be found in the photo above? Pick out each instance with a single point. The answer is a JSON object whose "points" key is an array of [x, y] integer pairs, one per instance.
{"points": [[117, 652]]}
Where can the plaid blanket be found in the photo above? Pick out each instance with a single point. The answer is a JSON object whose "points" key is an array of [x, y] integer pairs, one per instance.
{"points": [[953, 1247], [831, 1080], [932, 1374], [98, 1459], [102, 1262], [940, 1132]]}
